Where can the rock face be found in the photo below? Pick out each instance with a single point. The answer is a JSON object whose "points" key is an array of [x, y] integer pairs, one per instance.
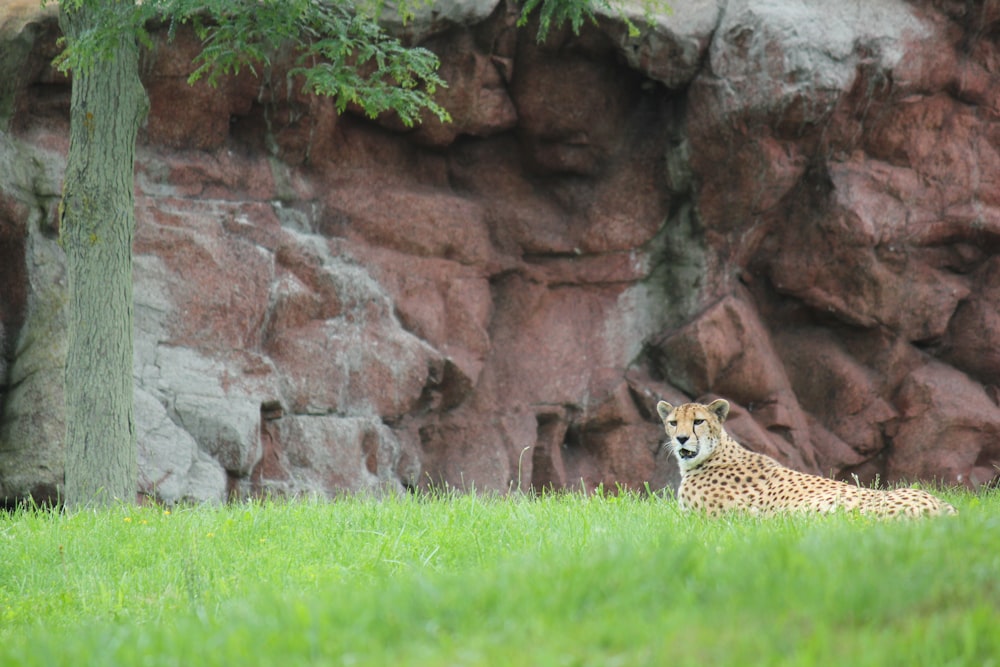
{"points": [[788, 204]]}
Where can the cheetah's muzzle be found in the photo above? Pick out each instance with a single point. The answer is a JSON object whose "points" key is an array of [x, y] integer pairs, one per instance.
{"points": [[687, 453]]}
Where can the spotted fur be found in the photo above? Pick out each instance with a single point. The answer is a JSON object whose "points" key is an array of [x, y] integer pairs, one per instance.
{"points": [[718, 474]]}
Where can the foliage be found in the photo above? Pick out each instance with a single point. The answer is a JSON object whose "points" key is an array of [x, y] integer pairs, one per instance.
{"points": [[489, 580], [342, 51], [555, 13], [115, 17]]}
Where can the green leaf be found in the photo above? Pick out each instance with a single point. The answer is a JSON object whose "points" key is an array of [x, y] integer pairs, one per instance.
{"points": [[342, 51], [556, 13]]}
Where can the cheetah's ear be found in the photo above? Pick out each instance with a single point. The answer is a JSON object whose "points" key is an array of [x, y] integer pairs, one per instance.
{"points": [[720, 407], [664, 409]]}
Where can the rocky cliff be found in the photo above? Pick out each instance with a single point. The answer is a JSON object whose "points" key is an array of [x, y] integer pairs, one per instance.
{"points": [[789, 204]]}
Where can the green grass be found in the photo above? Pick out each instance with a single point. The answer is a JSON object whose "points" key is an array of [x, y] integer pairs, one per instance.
{"points": [[471, 580]]}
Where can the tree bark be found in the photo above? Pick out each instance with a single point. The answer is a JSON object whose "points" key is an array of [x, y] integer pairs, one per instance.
{"points": [[97, 223]]}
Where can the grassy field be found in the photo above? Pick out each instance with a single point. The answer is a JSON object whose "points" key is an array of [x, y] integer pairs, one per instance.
{"points": [[469, 580]]}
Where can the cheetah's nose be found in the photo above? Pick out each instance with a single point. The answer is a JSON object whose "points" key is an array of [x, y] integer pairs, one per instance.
{"points": [[682, 451]]}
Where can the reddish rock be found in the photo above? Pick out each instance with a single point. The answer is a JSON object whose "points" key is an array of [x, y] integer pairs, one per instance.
{"points": [[521, 219], [216, 176], [793, 206], [205, 125], [839, 392], [329, 366], [834, 456], [549, 456], [726, 350], [949, 429], [549, 345], [476, 98], [561, 135], [972, 342], [855, 261], [478, 447], [421, 222], [218, 282], [623, 457], [13, 272], [358, 360], [443, 302]]}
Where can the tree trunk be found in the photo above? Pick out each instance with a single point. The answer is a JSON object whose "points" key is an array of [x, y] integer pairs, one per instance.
{"points": [[96, 229]]}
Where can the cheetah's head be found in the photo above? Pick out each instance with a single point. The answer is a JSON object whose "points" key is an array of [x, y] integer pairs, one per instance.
{"points": [[694, 429]]}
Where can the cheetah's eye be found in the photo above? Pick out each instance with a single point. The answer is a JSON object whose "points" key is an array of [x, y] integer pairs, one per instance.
{"points": [[673, 422], [699, 422]]}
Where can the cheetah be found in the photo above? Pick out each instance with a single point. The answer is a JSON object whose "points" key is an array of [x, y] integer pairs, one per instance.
{"points": [[718, 474]]}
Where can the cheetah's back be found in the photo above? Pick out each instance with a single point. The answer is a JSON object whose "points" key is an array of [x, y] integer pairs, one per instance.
{"points": [[742, 480]]}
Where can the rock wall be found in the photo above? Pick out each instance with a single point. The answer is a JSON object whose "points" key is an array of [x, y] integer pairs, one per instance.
{"points": [[787, 204]]}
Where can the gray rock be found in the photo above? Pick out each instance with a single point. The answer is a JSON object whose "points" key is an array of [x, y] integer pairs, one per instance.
{"points": [[32, 426], [171, 466], [216, 403], [320, 454], [775, 55], [669, 45], [429, 19]]}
